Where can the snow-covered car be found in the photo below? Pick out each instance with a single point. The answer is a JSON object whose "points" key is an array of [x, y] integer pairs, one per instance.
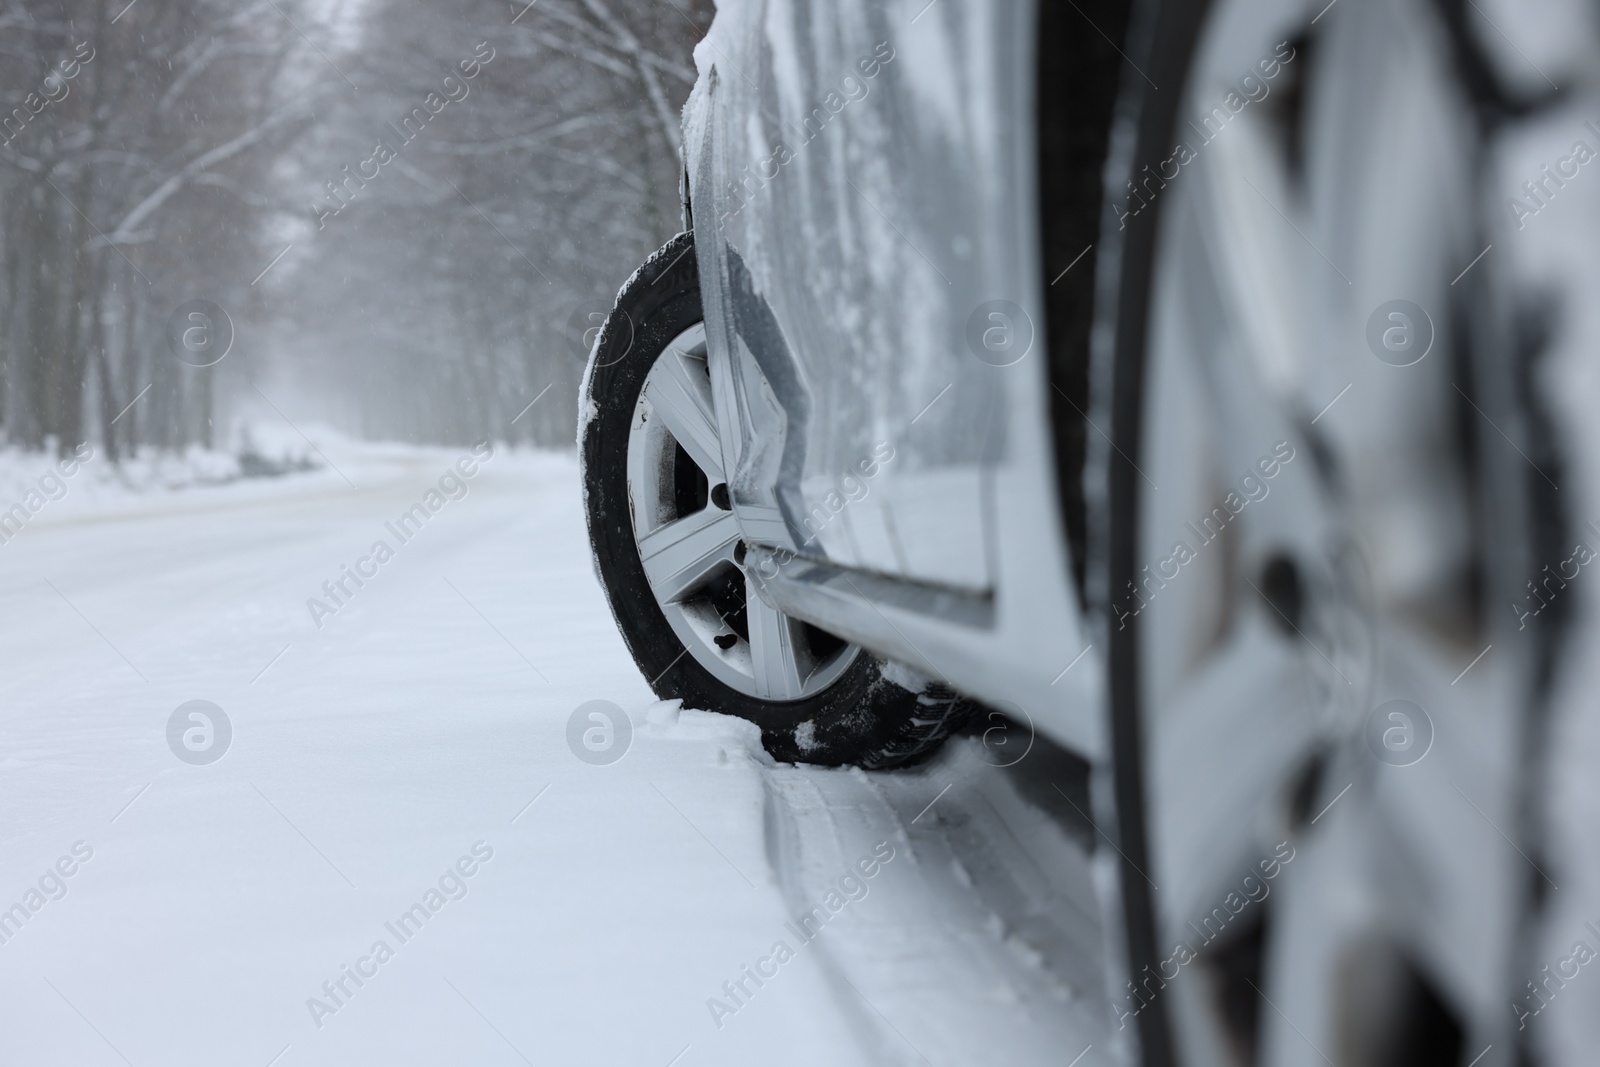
{"points": [[1126, 369]]}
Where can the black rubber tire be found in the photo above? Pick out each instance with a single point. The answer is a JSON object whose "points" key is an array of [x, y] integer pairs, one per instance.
{"points": [[868, 717], [1162, 36]]}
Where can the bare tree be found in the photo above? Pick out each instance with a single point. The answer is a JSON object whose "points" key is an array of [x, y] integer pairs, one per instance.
{"points": [[464, 263], [450, 193], [130, 179]]}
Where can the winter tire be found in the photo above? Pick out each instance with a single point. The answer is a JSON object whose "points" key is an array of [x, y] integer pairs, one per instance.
{"points": [[669, 553]]}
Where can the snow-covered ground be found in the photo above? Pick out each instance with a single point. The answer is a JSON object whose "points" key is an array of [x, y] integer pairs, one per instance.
{"points": [[406, 744]]}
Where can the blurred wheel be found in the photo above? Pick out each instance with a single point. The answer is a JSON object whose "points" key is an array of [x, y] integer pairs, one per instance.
{"points": [[1308, 801], [669, 552]]}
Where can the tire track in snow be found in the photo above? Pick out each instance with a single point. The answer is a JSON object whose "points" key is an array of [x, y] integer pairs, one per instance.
{"points": [[982, 933]]}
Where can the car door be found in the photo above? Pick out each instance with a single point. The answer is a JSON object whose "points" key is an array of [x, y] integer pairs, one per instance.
{"points": [[862, 189], [862, 209]]}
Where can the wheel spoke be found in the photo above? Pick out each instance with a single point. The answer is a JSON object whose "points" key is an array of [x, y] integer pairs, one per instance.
{"points": [[681, 397], [1249, 709], [774, 651], [678, 555]]}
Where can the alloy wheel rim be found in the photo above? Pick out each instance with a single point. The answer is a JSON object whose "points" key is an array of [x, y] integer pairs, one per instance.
{"points": [[690, 544], [1264, 663]]}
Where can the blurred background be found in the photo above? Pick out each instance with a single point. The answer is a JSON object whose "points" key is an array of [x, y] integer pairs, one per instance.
{"points": [[408, 214]]}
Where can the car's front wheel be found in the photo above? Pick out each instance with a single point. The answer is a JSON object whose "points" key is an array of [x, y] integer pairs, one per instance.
{"points": [[669, 552]]}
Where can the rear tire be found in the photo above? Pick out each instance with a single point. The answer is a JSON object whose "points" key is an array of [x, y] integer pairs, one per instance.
{"points": [[851, 707]]}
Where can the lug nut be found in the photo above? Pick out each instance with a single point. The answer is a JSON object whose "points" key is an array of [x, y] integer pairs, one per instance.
{"points": [[1284, 592]]}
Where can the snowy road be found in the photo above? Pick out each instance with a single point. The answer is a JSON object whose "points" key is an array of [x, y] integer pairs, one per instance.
{"points": [[412, 751]]}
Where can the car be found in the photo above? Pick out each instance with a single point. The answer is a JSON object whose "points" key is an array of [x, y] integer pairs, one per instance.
{"points": [[1119, 369]]}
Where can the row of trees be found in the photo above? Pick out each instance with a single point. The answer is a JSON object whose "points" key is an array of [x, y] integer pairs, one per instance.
{"points": [[406, 211], [452, 288], [126, 183]]}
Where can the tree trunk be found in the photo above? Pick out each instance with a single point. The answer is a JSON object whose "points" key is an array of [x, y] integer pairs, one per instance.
{"points": [[102, 367]]}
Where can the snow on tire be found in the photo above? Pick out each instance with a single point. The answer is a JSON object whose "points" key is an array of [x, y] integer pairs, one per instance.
{"points": [[669, 553]]}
